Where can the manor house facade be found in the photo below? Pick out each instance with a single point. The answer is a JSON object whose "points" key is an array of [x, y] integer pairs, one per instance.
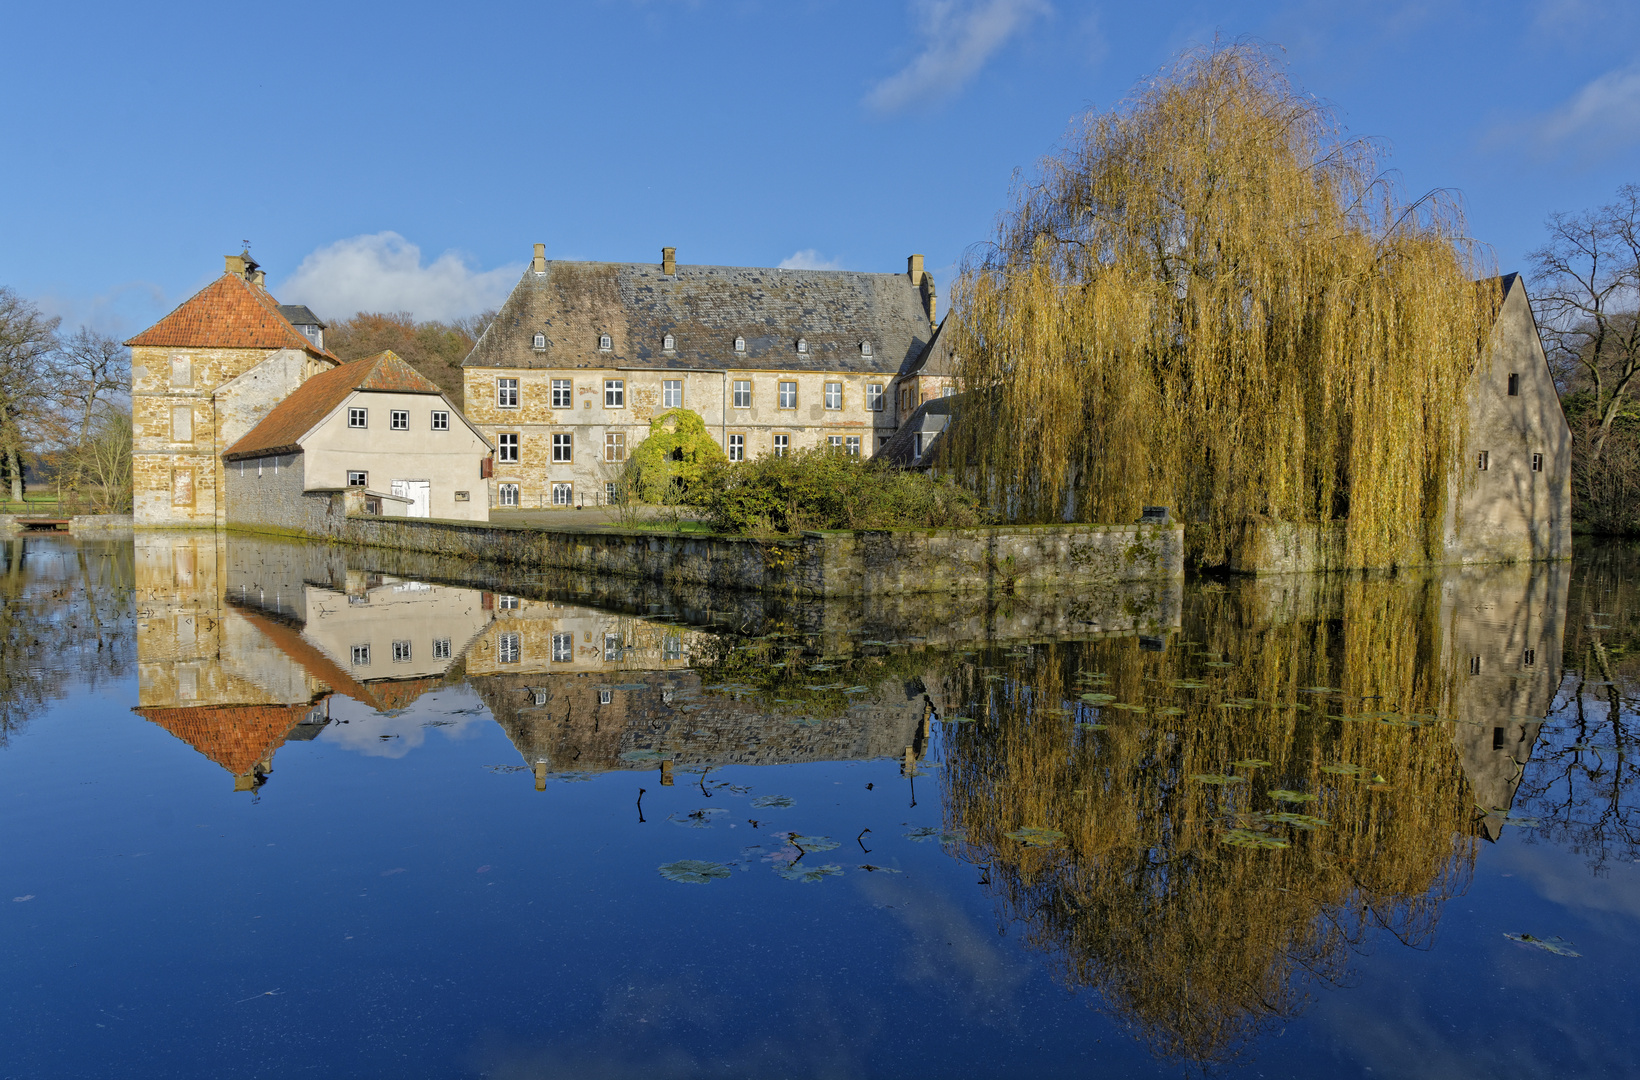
{"points": [[583, 355]]}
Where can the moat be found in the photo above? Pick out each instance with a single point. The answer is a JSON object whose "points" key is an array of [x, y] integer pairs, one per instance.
{"points": [[282, 809]]}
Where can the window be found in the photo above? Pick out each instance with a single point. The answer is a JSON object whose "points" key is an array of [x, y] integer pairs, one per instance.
{"points": [[612, 647], [672, 393], [563, 647], [605, 696], [357, 417], [509, 603], [604, 343], [361, 656], [1474, 665], [401, 652], [609, 492], [1483, 460], [540, 341], [668, 343], [834, 395], [562, 394], [803, 346], [672, 647], [508, 649], [743, 393], [506, 393], [782, 443], [740, 344], [737, 448], [614, 393], [1514, 384], [399, 419], [1528, 658], [852, 443], [182, 487], [509, 494], [788, 395], [563, 493], [441, 420], [1537, 462], [917, 447], [506, 446], [441, 648], [1497, 738], [539, 695], [615, 446], [357, 478], [874, 397], [835, 440], [563, 446], [182, 371], [182, 423], [865, 348]]}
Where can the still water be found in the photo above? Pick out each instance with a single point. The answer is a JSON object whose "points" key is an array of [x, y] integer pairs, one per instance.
{"points": [[276, 809]]}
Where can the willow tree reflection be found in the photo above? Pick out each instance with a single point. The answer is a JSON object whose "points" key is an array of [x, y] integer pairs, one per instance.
{"points": [[1228, 815]]}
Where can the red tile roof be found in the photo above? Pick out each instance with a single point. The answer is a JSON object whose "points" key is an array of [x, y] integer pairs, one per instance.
{"points": [[229, 313], [315, 399], [236, 737]]}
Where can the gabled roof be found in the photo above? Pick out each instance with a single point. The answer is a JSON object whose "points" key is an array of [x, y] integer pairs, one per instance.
{"points": [[705, 308], [229, 313], [936, 359], [236, 737], [282, 429]]}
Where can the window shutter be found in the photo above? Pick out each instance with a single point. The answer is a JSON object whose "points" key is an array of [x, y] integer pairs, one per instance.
{"points": [[486, 468]]}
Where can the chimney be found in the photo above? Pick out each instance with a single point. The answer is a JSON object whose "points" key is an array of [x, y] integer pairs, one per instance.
{"points": [[669, 260], [236, 265], [539, 263], [914, 270], [923, 280], [259, 278]]}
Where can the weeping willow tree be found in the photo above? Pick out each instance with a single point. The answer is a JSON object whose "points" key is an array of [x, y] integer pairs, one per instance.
{"points": [[1213, 299], [1181, 888]]}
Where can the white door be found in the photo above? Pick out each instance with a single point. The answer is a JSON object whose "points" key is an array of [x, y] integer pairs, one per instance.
{"points": [[420, 494]]}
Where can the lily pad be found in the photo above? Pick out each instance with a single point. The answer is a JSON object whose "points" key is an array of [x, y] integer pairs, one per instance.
{"points": [[1248, 839], [1128, 706], [922, 834], [1284, 795], [1168, 710], [1033, 836], [1083, 725], [646, 755], [814, 843], [1217, 778], [807, 873], [1250, 763], [1098, 699], [693, 871], [1302, 821], [772, 802], [1558, 946]]}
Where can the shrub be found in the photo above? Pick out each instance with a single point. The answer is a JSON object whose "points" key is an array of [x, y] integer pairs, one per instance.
{"points": [[825, 488], [668, 465]]}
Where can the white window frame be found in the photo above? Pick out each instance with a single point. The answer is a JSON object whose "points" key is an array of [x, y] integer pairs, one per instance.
{"points": [[507, 445], [782, 445], [358, 417], [507, 495], [398, 419], [787, 390], [358, 478], [614, 446], [563, 647], [671, 393], [605, 343], [506, 393], [441, 648], [563, 446], [834, 395], [361, 656], [737, 447], [563, 493], [743, 394], [563, 394], [835, 440], [612, 648], [852, 445], [509, 649], [539, 341], [614, 393], [441, 420], [874, 397], [401, 652]]}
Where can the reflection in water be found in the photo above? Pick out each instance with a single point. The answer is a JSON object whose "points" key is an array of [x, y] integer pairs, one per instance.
{"points": [[1195, 814], [1389, 718]]}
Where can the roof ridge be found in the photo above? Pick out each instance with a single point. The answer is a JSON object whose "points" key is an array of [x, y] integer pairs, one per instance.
{"points": [[214, 317]]}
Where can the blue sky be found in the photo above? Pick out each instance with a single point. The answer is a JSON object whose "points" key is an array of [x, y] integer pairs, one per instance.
{"points": [[407, 156]]}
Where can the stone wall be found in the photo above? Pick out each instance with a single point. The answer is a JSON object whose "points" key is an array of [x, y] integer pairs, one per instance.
{"points": [[816, 564], [268, 495]]}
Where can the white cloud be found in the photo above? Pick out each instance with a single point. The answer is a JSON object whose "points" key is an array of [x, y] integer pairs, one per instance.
{"points": [[384, 272], [809, 259], [959, 36], [1601, 118]]}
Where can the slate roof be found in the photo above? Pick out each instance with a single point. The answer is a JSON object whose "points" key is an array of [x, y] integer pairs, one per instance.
{"points": [[705, 308], [936, 359], [229, 313], [298, 414], [302, 315], [936, 415]]}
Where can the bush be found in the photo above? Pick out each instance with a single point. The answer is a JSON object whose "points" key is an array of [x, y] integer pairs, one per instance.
{"points": [[668, 465], [825, 488]]}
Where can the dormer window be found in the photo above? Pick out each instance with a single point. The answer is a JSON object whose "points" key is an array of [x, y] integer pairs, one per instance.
{"points": [[803, 346], [540, 341], [740, 344], [865, 348], [668, 343], [604, 343]]}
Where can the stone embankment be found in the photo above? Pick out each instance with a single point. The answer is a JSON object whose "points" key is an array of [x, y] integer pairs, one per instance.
{"points": [[78, 524]]}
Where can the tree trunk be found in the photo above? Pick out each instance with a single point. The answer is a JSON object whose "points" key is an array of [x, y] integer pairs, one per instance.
{"points": [[14, 465]]}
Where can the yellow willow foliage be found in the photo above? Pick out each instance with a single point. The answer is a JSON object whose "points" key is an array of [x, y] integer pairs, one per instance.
{"points": [[1197, 944], [1211, 299]]}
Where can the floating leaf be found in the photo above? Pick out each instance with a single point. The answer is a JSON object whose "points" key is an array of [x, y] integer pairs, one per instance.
{"points": [[1232, 705], [813, 843], [1218, 663], [699, 819], [1098, 699], [808, 874], [1248, 839], [1127, 706], [1283, 795], [693, 871], [1083, 725], [1558, 946], [1168, 710], [1250, 763], [1217, 778], [646, 755], [1302, 821], [772, 802], [1033, 836], [1318, 690], [922, 834], [1187, 684], [1343, 770]]}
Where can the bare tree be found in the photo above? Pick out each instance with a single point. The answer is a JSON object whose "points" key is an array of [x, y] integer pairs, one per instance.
{"points": [[27, 341], [1587, 281], [93, 369]]}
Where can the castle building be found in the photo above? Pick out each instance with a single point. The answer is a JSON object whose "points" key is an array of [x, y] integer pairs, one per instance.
{"points": [[201, 378], [583, 355]]}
